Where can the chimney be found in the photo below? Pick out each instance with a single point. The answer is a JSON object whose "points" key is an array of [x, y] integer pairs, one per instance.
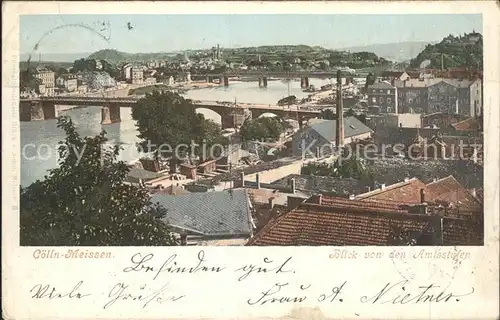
{"points": [[320, 199], [351, 197], [271, 202], [339, 136], [242, 179], [292, 185], [369, 188], [473, 192], [407, 179], [257, 180], [183, 239], [382, 186], [422, 196]]}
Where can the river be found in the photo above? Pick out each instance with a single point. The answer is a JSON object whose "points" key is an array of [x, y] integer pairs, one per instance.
{"points": [[39, 139]]}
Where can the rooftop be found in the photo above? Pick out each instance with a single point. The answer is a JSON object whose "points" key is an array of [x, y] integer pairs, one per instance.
{"points": [[427, 82], [361, 222], [407, 191], [320, 184], [381, 85], [450, 190], [327, 128], [470, 124], [216, 214]]}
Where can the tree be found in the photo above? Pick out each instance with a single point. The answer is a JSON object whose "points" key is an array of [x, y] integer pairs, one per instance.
{"points": [[84, 202], [210, 135], [168, 119], [327, 114], [84, 65], [353, 167], [370, 79], [265, 128]]}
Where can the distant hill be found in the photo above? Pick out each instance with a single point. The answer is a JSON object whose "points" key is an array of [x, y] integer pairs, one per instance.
{"points": [[398, 52], [115, 56], [54, 57], [453, 52]]}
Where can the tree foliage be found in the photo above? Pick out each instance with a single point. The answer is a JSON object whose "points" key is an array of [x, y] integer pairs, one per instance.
{"points": [[327, 114], [370, 79], [84, 65], [166, 118], [84, 202], [264, 128], [352, 167], [453, 52]]}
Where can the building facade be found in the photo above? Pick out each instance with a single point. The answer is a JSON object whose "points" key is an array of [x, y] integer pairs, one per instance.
{"points": [[137, 76], [443, 95], [46, 76], [383, 95], [68, 82]]}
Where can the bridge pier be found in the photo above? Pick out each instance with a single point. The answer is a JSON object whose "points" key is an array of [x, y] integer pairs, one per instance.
{"points": [[224, 80], [49, 110], [24, 110], [262, 82], [304, 82], [110, 114]]}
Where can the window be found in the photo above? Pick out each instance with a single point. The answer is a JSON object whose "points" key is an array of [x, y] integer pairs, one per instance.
{"points": [[374, 100], [380, 91], [388, 91], [389, 100], [381, 99]]}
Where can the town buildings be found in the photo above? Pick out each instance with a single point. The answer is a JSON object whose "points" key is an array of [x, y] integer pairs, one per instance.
{"points": [[320, 136], [68, 82], [47, 78], [409, 212], [384, 96], [430, 95], [137, 75]]}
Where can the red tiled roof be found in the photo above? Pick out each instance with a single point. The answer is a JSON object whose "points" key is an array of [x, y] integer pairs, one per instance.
{"points": [[463, 232], [470, 124], [312, 224], [382, 206], [448, 189], [402, 192]]}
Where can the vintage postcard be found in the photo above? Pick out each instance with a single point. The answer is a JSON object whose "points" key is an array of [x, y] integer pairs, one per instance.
{"points": [[250, 160]]}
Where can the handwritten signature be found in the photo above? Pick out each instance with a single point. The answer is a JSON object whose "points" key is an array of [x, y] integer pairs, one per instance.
{"points": [[144, 295], [399, 293], [50, 292]]}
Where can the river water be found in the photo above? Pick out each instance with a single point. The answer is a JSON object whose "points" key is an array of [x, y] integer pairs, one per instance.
{"points": [[39, 139]]}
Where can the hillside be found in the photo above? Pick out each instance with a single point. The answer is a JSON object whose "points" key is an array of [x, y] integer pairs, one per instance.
{"points": [[54, 57], [452, 52], [398, 52], [115, 56]]}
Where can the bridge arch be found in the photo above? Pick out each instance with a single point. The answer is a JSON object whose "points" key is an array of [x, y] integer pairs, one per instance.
{"points": [[210, 114], [268, 114]]}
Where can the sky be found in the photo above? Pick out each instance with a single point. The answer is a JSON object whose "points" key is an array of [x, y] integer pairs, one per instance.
{"points": [[167, 33]]}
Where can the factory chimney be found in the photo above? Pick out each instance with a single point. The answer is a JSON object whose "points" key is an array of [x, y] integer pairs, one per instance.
{"points": [[339, 134]]}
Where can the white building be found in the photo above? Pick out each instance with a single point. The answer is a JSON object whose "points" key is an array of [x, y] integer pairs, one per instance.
{"points": [[68, 82], [137, 76]]}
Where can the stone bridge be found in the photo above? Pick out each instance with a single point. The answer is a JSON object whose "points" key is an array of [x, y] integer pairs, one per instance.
{"points": [[44, 108]]}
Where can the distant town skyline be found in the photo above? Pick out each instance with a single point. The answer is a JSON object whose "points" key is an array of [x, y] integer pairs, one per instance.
{"points": [[168, 33]]}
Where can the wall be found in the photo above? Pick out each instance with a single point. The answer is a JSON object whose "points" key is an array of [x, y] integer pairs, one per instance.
{"points": [[278, 173], [405, 120]]}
